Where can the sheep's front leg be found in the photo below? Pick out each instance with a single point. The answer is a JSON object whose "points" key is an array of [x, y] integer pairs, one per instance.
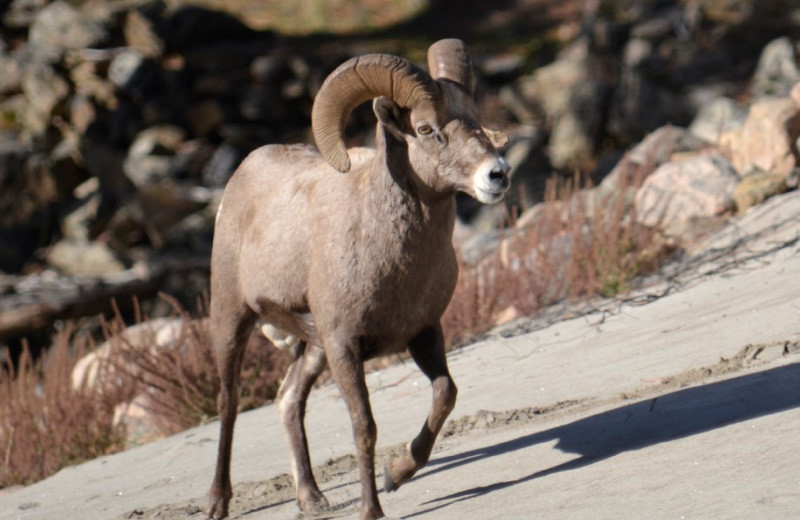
{"points": [[347, 368], [427, 350], [292, 396]]}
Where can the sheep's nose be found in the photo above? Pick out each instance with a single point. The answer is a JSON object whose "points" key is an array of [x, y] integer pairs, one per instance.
{"points": [[498, 175]]}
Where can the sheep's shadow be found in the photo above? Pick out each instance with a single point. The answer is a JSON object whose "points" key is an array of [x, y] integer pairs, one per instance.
{"points": [[639, 425]]}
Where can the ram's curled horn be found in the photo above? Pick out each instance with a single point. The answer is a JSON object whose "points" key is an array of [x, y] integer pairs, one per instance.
{"points": [[356, 81], [448, 59]]}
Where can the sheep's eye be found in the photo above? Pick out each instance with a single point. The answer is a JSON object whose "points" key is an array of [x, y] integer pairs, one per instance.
{"points": [[425, 130]]}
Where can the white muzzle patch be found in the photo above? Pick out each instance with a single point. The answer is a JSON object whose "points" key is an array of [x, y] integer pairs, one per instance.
{"points": [[490, 180]]}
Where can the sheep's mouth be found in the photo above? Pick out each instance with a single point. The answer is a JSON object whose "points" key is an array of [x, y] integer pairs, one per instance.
{"points": [[487, 196]]}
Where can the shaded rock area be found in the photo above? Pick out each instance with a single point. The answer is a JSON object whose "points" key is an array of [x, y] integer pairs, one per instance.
{"points": [[121, 122]]}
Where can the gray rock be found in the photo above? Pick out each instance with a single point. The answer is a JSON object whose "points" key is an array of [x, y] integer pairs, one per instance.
{"points": [[151, 156], [220, 167], [131, 71], [716, 118], [777, 70], [59, 27]]}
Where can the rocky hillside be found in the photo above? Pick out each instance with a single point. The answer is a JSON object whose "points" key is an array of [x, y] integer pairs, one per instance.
{"points": [[120, 123]]}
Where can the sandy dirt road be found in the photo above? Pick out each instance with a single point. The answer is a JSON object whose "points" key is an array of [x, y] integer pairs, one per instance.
{"points": [[681, 401]]}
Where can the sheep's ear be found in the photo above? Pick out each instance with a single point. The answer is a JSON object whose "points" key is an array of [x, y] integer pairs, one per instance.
{"points": [[391, 116], [498, 138]]}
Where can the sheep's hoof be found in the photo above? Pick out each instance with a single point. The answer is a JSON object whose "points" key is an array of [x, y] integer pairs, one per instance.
{"points": [[315, 505], [217, 508], [389, 484]]}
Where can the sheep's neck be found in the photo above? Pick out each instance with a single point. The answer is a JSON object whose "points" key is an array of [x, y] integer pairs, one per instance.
{"points": [[392, 192]]}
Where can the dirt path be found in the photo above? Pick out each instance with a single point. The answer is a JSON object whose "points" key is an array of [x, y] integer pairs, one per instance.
{"points": [[681, 401]]}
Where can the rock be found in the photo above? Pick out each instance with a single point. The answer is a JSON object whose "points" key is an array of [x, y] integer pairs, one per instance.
{"points": [[59, 27], [77, 258], [767, 138], [220, 167], [10, 73], [136, 417], [720, 116], [151, 156], [756, 187], [82, 112], [140, 30], [777, 70], [679, 193], [44, 89], [129, 71], [655, 150], [89, 84], [76, 223], [19, 14], [571, 143], [507, 315], [91, 370], [101, 368]]}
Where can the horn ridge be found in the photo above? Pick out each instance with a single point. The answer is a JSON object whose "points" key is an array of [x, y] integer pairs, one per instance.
{"points": [[449, 59], [358, 80]]}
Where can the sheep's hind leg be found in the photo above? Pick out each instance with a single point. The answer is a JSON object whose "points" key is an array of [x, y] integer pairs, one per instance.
{"points": [[306, 368], [229, 331], [427, 350]]}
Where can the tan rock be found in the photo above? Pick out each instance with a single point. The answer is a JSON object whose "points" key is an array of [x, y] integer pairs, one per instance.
{"points": [[756, 187], [766, 139], [678, 193]]}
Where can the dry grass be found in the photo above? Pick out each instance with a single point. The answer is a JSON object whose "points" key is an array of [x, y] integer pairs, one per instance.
{"points": [[579, 245], [45, 424], [178, 373]]}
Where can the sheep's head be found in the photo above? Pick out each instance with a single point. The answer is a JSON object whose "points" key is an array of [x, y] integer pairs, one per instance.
{"points": [[433, 114]]}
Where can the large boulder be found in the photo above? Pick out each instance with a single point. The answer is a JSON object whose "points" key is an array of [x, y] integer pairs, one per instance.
{"points": [[658, 148], [767, 139], [681, 193]]}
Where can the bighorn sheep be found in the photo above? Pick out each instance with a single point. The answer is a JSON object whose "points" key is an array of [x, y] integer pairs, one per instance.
{"points": [[352, 253]]}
